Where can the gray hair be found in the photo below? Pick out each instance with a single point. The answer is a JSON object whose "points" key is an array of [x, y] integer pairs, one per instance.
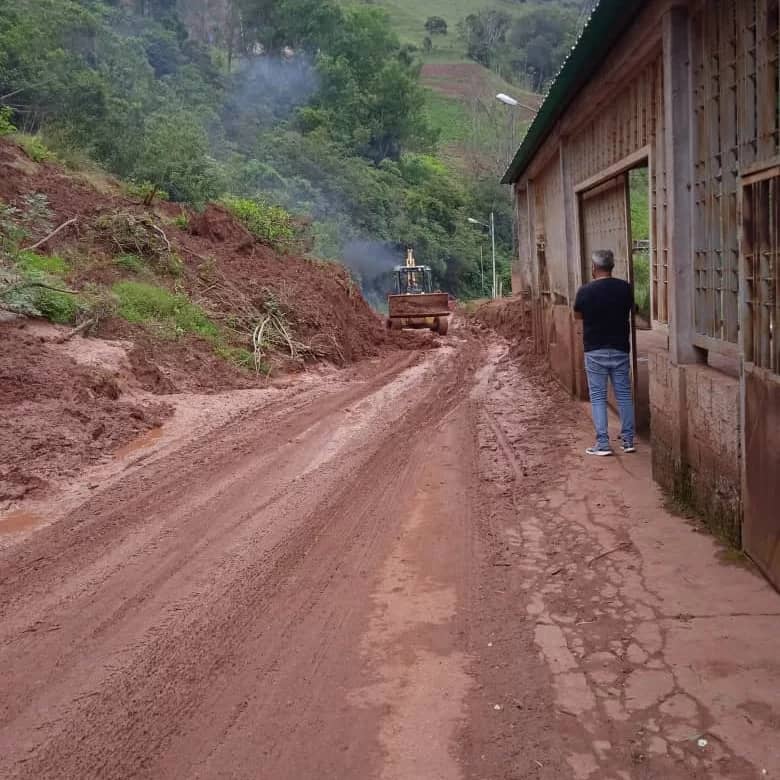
{"points": [[604, 259]]}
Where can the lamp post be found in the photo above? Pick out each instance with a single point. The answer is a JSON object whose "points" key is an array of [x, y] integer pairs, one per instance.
{"points": [[513, 104], [508, 100], [492, 227]]}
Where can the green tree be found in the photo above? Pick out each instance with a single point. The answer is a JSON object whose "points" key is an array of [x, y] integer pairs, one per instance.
{"points": [[541, 40], [175, 157], [435, 25], [370, 98], [485, 34]]}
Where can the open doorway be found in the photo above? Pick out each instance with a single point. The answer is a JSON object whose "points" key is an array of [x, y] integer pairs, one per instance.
{"points": [[615, 213], [639, 205], [638, 180]]}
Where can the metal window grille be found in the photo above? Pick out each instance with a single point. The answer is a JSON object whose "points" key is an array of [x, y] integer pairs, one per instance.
{"points": [[659, 202], [735, 95], [604, 222], [761, 270]]}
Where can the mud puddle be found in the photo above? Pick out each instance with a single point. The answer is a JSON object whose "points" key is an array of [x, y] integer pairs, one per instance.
{"points": [[141, 442], [19, 521]]}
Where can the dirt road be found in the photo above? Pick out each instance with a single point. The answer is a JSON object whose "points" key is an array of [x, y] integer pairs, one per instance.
{"points": [[400, 571]]}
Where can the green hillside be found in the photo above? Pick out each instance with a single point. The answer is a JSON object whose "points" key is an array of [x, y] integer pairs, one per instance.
{"points": [[408, 19], [514, 47]]}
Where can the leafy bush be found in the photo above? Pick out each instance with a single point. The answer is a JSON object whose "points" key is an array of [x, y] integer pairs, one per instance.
{"points": [[6, 125], [642, 284], [268, 223], [12, 233], [47, 264], [34, 147], [24, 289], [175, 157], [173, 314], [435, 25], [146, 191], [18, 222], [131, 263], [58, 307], [239, 356]]}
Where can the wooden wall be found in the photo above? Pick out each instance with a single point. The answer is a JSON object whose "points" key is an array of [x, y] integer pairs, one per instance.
{"points": [[633, 121]]}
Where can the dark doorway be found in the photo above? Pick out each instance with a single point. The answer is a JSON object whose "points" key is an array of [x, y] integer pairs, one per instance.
{"points": [[615, 214]]}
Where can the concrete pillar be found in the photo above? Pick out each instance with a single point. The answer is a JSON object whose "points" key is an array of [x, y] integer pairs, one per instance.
{"points": [[678, 141]]}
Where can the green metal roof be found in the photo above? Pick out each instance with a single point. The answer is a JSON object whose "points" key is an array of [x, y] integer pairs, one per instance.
{"points": [[608, 21]]}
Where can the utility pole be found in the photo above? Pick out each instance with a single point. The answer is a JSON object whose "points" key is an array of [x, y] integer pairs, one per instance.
{"points": [[493, 242], [491, 226], [481, 271]]}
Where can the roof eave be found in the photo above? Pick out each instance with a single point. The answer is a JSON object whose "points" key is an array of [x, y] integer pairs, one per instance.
{"points": [[606, 24]]}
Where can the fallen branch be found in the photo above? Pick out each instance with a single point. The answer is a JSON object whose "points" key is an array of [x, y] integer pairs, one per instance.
{"points": [[51, 235], [257, 342], [24, 285], [79, 329], [149, 199], [283, 331], [624, 546], [162, 233]]}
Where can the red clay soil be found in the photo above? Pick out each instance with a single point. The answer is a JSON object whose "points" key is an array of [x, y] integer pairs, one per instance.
{"points": [[466, 80], [55, 415], [409, 572], [463, 80], [510, 317], [225, 268], [319, 297]]}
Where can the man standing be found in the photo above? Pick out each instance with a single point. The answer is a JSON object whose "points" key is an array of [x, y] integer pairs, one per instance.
{"points": [[605, 306]]}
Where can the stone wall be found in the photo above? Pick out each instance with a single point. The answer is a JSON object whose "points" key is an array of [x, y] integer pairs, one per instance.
{"points": [[695, 435], [560, 346]]}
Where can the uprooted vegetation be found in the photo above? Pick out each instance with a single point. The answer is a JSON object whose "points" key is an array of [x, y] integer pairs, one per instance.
{"points": [[109, 266], [177, 299]]}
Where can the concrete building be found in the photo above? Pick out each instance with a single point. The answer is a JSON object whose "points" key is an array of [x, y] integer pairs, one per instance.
{"points": [[681, 99]]}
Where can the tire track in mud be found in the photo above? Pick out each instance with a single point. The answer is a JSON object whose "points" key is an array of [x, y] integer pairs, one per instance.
{"points": [[202, 635]]}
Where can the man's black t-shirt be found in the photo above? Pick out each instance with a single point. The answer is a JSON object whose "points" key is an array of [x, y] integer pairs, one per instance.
{"points": [[605, 305]]}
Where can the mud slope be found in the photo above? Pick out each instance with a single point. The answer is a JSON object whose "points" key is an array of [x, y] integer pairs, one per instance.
{"points": [[66, 405], [225, 270]]}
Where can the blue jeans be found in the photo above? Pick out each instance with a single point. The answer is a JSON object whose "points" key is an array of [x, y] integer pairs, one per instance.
{"points": [[602, 365]]}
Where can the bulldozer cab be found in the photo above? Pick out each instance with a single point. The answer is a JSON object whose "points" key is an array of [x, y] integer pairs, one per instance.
{"points": [[413, 279], [414, 304]]}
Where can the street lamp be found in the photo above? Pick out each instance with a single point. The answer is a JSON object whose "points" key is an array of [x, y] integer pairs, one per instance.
{"points": [[492, 228], [510, 101]]}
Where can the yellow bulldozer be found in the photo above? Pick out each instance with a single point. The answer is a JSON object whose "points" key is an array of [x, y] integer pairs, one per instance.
{"points": [[414, 304]]}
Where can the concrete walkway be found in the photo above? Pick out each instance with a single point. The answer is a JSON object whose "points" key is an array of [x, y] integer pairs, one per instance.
{"points": [[664, 652]]}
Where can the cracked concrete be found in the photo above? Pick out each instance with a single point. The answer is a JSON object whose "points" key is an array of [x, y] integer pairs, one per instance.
{"points": [[653, 643]]}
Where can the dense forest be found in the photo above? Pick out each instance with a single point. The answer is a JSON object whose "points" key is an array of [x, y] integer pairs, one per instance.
{"points": [[527, 48], [307, 105]]}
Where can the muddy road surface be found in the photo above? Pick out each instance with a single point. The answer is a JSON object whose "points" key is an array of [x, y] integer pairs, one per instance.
{"points": [[367, 576]]}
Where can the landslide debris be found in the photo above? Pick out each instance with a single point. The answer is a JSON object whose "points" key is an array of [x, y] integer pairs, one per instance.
{"points": [[196, 302]]}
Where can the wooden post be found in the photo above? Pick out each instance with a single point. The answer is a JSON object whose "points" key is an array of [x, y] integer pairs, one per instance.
{"points": [[678, 146], [570, 221], [630, 280], [572, 250], [533, 268]]}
